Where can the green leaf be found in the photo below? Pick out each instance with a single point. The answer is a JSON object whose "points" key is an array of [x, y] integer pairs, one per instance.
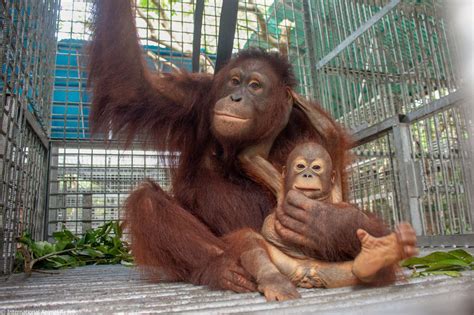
{"points": [[414, 262], [447, 264], [65, 236], [62, 261], [463, 255], [117, 229], [88, 238], [437, 256], [104, 229], [90, 252], [104, 249], [114, 251], [63, 244], [117, 243], [42, 248]]}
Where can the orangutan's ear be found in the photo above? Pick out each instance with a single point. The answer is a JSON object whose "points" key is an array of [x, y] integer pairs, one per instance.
{"points": [[336, 192], [333, 177], [298, 100], [289, 95]]}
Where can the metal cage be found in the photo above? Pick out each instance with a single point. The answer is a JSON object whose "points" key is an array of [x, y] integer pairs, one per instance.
{"points": [[383, 68]]}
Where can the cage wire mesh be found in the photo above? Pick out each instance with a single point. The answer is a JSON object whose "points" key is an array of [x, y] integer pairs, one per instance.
{"points": [[89, 179], [373, 178], [27, 46], [440, 149], [400, 63], [376, 60]]}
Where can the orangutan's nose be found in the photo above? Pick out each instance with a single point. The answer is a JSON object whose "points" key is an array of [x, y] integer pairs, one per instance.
{"points": [[236, 97]]}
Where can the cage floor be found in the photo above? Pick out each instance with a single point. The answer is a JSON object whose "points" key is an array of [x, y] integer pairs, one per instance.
{"points": [[111, 289]]}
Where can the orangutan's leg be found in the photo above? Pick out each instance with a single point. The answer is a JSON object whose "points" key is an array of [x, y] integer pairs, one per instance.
{"points": [[256, 261], [310, 273], [379, 257]]}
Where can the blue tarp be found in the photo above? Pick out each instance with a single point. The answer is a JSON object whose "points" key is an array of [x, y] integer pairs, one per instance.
{"points": [[71, 102]]}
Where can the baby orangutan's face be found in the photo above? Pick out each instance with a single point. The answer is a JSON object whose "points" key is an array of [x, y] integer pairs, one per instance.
{"points": [[309, 170]]}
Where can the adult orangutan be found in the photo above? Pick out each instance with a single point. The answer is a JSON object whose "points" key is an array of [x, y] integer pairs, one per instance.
{"points": [[309, 173], [197, 233]]}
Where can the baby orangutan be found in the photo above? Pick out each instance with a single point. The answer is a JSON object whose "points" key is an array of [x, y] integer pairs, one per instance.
{"points": [[278, 267]]}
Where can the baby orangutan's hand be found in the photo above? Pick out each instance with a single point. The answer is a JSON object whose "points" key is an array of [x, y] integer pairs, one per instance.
{"points": [[380, 252]]}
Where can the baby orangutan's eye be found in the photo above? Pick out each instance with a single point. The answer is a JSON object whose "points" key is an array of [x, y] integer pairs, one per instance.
{"points": [[300, 166], [317, 168], [235, 81]]}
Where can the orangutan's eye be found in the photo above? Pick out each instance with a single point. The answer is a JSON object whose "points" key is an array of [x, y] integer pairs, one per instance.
{"points": [[317, 168], [235, 81], [255, 85], [300, 166]]}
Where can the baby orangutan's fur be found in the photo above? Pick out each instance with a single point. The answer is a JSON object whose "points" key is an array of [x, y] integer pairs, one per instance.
{"points": [[278, 266]]}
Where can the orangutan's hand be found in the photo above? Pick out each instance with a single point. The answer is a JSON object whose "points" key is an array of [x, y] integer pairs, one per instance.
{"points": [[302, 221], [296, 219], [226, 273]]}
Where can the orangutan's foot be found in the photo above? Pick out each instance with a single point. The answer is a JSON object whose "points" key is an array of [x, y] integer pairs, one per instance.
{"points": [[277, 287], [306, 274], [380, 252]]}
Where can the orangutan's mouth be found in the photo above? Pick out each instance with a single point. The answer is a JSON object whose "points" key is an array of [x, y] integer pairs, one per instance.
{"points": [[311, 193], [229, 117], [303, 189]]}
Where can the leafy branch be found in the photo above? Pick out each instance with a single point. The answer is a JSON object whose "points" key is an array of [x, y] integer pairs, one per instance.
{"points": [[440, 263], [103, 245]]}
